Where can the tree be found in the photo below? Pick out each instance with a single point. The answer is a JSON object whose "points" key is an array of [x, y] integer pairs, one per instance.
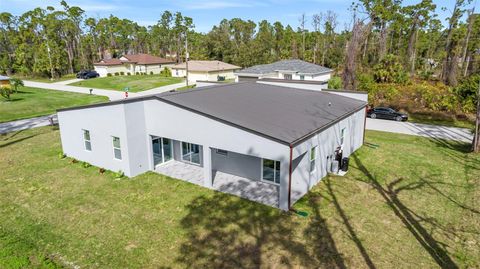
{"points": [[15, 83], [476, 135]]}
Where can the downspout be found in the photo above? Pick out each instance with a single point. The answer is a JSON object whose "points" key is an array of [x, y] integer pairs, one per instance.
{"points": [[365, 124], [290, 177]]}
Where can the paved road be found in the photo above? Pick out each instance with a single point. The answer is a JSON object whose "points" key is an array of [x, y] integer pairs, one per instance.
{"points": [[18, 125], [432, 131]]}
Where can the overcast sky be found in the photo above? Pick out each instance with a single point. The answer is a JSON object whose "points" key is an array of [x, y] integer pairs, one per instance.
{"points": [[205, 13]]}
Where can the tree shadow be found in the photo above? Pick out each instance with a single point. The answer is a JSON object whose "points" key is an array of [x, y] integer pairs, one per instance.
{"points": [[390, 193], [228, 232]]}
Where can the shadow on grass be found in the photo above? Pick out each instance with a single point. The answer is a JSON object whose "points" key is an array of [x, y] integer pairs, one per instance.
{"points": [[389, 193], [16, 141], [226, 232]]}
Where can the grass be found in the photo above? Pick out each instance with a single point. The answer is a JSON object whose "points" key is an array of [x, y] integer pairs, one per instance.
{"points": [[33, 102], [47, 80], [406, 202], [135, 83], [430, 119], [186, 87]]}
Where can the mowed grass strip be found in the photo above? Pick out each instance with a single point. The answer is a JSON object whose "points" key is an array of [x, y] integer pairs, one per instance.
{"points": [[406, 202], [32, 102], [136, 83]]}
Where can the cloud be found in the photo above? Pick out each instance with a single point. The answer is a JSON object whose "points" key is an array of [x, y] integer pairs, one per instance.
{"points": [[95, 7]]}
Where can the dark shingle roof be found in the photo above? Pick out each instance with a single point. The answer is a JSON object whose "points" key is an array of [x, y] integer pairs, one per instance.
{"points": [[298, 66], [284, 114]]}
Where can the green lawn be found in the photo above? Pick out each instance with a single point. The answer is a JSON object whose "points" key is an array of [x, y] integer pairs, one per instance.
{"points": [[407, 202], [452, 122], [136, 83], [32, 102], [47, 80]]}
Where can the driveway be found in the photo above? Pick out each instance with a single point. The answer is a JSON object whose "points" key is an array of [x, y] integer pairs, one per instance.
{"points": [[426, 130], [18, 125]]}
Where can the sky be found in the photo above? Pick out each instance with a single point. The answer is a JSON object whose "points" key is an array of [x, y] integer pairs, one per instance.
{"points": [[206, 13]]}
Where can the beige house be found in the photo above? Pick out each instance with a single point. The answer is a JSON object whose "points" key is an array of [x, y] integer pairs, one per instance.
{"points": [[132, 63], [205, 70]]}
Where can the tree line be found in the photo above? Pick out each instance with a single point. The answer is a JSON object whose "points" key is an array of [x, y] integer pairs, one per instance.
{"points": [[50, 42]]}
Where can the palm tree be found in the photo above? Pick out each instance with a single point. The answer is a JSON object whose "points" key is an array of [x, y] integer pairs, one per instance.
{"points": [[15, 82]]}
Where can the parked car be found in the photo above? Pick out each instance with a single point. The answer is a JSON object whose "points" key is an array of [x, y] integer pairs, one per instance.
{"points": [[81, 73], [386, 113], [91, 74]]}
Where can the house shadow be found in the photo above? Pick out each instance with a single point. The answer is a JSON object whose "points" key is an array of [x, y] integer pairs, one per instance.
{"points": [[227, 232], [411, 220]]}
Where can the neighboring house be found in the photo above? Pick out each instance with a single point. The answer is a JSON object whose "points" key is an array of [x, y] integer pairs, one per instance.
{"points": [[4, 80], [266, 143], [285, 69], [132, 63], [205, 70]]}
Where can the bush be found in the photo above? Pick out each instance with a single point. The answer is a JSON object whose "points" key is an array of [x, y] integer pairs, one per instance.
{"points": [[122, 73], [151, 72], [166, 72], [6, 91], [109, 74], [128, 74], [389, 70], [86, 165], [101, 170], [335, 83], [467, 92], [137, 73], [119, 174], [117, 74], [62, 155]]}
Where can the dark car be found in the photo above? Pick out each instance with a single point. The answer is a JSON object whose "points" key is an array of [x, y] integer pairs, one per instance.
{"points": [[386, 113], [90, 74], [82, 73]]}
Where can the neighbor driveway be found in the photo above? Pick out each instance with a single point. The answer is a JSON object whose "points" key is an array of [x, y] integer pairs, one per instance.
{"points": [[426, 130], [12, 126]]}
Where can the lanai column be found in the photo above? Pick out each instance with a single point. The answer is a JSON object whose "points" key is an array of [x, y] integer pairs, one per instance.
{"points": [[207, 167]]}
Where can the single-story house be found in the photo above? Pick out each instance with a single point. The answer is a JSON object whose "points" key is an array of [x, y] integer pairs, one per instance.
{"points": [[205, 70], [285, 69], [132, 63], [266, 143], [4, 80]]}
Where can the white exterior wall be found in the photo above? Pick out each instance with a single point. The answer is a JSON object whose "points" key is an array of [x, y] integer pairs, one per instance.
{"points": [[327, 141], [104, 70], [132, 68], [194, 76]]}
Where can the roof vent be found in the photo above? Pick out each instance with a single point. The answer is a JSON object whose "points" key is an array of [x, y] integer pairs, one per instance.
{"points": [[329, 103]]}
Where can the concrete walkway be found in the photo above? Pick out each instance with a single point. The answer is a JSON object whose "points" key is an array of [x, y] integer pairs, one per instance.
{"points": [[112, 95], [65, 82], [426, 130], [18, 125]]}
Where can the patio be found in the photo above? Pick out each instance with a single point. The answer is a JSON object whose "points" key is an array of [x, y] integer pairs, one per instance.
{"points": [[256, 191]]}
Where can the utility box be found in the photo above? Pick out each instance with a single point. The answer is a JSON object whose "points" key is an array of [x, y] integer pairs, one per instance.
{"points": [[345, 161]]}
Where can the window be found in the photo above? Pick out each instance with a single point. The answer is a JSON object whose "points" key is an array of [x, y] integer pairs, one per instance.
{"points": [[302, 77], [221, 152], [313, 157], [191, 152], [287, 76], [271, 171], [117, 151], [342, 136], [86, 140]]}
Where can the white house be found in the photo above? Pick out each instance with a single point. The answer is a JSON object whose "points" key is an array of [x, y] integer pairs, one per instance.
{"points": [[285, 70], [205, 70], [132, 63], [266, 143]]}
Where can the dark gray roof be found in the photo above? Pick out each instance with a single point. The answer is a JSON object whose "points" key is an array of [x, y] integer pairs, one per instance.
{"points": [[287, 115], [298, 66], [283, 114]]}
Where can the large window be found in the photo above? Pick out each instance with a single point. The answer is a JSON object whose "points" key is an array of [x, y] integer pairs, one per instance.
{"points": [[117, 151], [287, 76], [191, 152], [271, 171], [313, 157], [162, 150], [86, 140]]}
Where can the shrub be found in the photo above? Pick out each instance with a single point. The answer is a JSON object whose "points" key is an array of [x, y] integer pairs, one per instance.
{"points": [[137, 73], [62, 155], [335, 83], [151, 72], [389, 70], [128, 74], [109, 74], [122, 73], [117, 74], [467, 92], [119, 174], [6, 91], [166, 72], [86, 165], [101, 170], [74, 161]]}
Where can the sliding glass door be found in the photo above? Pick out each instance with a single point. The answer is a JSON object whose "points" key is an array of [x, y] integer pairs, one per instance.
{"points": [[162, 150]]}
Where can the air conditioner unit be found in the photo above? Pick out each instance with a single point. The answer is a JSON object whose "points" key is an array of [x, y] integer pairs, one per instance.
{"points": [[335, 166]]}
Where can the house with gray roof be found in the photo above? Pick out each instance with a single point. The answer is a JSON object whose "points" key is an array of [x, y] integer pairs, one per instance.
{"points": [[285, 70], [266, 143]]}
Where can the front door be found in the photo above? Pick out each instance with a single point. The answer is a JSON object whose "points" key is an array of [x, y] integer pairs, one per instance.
{"points": [[162, 150]]}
